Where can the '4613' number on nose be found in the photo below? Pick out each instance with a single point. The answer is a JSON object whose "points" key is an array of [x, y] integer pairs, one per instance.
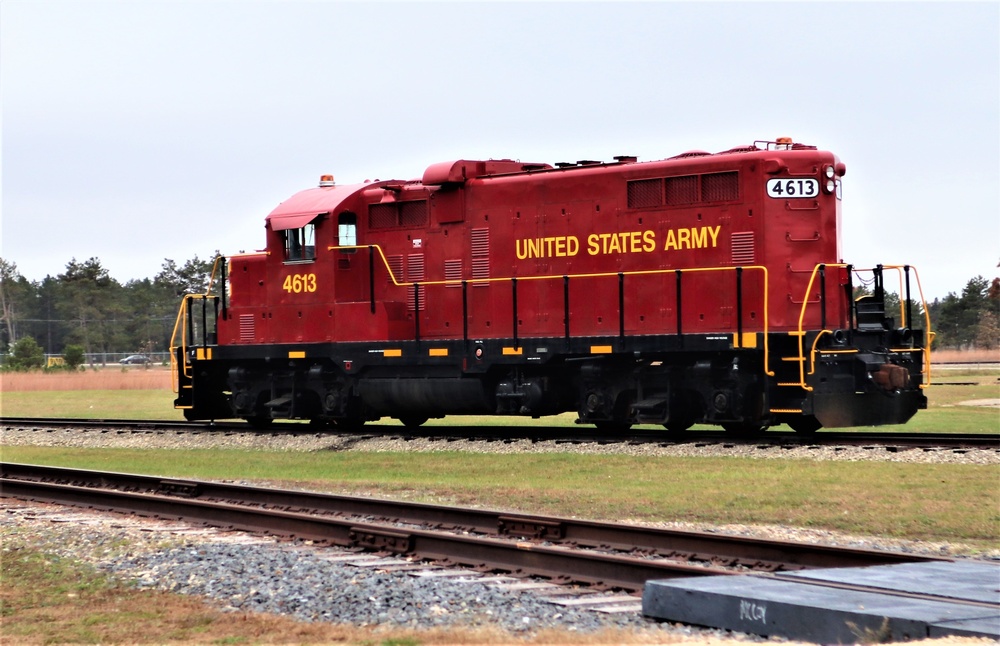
{"points": [[786, 188]]}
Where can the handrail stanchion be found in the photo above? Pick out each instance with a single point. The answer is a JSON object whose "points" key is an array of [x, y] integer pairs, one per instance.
{"points": [[566, 308], [680, 331], [739, 307], [371, 277], [513, 289], [621, 307]]}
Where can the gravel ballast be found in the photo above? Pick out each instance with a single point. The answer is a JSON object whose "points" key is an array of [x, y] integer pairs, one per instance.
{"points": [[240, 573], [301, 441]]}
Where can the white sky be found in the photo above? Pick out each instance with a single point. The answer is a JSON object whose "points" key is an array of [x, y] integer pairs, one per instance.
{"points": [[137, 131]]}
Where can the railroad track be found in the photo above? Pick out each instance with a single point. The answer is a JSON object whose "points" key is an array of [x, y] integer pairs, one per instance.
{"points": [[567, 435], [603, 555]]}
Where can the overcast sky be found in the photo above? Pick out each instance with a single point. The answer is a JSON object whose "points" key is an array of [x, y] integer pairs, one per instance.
{"points": [[138, 131]]}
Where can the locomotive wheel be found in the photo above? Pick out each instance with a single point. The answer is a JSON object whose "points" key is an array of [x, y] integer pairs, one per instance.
{"points": [[806, 425], [412, 421]]}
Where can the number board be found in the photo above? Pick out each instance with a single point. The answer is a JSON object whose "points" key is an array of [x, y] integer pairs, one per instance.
{"points": [[791, 188]]}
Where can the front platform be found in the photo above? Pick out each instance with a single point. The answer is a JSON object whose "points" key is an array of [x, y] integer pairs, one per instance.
{"points": [[840, 605]]}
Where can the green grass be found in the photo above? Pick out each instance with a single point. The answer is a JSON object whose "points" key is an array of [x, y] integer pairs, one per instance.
{"points": [[916, 501]]}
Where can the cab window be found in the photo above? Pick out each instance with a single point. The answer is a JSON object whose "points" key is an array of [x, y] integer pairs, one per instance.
{"points": [[300, 244], [347, 230]]}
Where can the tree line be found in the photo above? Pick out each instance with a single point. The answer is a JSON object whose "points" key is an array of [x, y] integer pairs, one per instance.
{"points": [[84, 311]]}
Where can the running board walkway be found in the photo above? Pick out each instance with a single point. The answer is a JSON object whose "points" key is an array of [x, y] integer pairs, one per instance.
{"points": [[840, 605]]}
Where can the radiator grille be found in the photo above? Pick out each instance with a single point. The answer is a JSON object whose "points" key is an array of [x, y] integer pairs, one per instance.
{"points": [[720, 187], [397, 214], [743, 248], [681, 190], [645, 192], [381, 216], [413, 214]]}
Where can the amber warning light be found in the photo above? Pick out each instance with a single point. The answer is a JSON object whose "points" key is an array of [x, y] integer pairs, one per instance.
{"points": [[326, 180]]}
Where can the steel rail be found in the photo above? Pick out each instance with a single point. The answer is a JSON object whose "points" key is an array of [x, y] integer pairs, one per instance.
{"points": [[522, 558], [627, 540]]}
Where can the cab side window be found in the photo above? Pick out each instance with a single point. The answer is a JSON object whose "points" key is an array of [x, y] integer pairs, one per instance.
{"points": [[347, 230], [300, 244]]}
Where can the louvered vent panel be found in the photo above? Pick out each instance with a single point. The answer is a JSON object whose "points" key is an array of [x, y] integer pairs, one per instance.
{"points": [[681, 190], [415, 267], [453, 271], [743, 248], [480, 255], [381, 216], [415, 274], [248, 328], [396, 268], [413, 214], [645, 192], [480, 242], [720, 187]]}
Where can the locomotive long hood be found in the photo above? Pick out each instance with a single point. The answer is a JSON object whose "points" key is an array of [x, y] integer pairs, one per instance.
{"points": [[300, 209]]}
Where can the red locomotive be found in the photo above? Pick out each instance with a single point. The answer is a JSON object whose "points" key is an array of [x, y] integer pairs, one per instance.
{"points": [[704, 288]]}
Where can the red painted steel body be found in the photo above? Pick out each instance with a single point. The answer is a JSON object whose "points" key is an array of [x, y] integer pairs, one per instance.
{"points": [[539, 226], [701, 288]]}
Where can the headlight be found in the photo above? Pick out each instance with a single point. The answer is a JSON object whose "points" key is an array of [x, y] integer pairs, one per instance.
{"points": [[829, 172], [830, 185]]}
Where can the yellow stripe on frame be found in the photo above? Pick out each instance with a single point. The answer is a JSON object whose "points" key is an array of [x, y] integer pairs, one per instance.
{"points": [[202, 354], [601, 349], [392, 353], [437, 352], [297, 354], [513, 351], [749, 340]]}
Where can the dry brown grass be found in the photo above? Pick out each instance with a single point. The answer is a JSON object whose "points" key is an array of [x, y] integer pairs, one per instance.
{"points": [[130, 378], [965, 356]]}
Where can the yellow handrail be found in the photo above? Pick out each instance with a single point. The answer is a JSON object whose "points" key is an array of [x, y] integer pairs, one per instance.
{"points": [[178, 326], [812, 354]]}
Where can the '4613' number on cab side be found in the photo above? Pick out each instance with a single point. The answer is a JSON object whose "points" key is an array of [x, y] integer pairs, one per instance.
{"points": [[299, 283]]}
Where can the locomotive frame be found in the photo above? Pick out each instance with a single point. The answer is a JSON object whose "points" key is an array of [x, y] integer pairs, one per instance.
{"points": [[643, 322]]}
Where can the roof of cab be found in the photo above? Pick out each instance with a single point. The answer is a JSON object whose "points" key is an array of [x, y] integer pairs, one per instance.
{"points": [[303, 207]]}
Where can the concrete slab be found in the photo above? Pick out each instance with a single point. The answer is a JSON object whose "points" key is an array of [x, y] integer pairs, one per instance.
{"points": [[966, 580], [807, 606]]}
